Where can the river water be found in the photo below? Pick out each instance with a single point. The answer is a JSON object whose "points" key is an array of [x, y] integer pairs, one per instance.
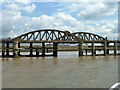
{"points": [[65, 71]]}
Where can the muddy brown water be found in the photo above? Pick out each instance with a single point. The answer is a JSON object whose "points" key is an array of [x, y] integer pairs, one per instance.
{"points": [[65, 71]]}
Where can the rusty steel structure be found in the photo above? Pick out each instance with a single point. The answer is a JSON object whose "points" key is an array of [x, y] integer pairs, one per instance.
{"points": [[56, 37], [47, 36], [85, 36]]}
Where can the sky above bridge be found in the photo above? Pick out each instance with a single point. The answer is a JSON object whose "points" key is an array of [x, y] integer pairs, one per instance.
{"points": [[96, 17]]}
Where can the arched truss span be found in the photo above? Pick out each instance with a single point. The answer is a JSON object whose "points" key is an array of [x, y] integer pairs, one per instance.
{"points": [[47, 35], [85, 36]]}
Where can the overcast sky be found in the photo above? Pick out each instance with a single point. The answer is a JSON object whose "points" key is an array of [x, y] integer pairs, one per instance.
{"points": [[96, 17]]}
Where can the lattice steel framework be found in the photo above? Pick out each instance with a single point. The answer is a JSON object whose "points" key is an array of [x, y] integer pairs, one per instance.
{"points": [[85, 36], [47, 35], [51, 35]]}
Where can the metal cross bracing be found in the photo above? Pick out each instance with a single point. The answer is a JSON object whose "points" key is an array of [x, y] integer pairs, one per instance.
{"points": [[47, 36], [85, 36]]}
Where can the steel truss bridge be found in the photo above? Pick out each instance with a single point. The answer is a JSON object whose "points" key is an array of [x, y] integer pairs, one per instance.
{"points": [[56, 37]]}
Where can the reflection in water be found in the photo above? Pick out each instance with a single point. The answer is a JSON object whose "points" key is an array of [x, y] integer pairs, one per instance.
{"points": [[106, 57], [93, 57], [80, 59], [37, 58], [59, 72], [43, 58], [31, 60], [7, 59], [15, 58], [115, 57], [55, 61], [3, 59]]}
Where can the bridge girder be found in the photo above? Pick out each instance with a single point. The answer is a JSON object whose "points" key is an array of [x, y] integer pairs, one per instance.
{"points": [[57, 36], [47, 35], [85, 36]]}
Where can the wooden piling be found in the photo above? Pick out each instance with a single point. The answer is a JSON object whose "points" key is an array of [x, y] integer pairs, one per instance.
{"points": [[86, 51], [115, 48], [105, 47], [15, 48], [80, 49], [37, 52], [31, 49], [55, 49], [19, 49], [7, 48], [3, 48], [43, 49], [95, 52], [93, 49], [47, 50]]}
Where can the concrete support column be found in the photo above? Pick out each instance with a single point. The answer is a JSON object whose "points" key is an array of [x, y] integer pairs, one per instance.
{"points": [[15, 48], [43, 49], [7, 49], [115, 48], [93, 49], [19, 49], [55, 49], [105, 47], [80, 49], [3, 48], [31, 49]]}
